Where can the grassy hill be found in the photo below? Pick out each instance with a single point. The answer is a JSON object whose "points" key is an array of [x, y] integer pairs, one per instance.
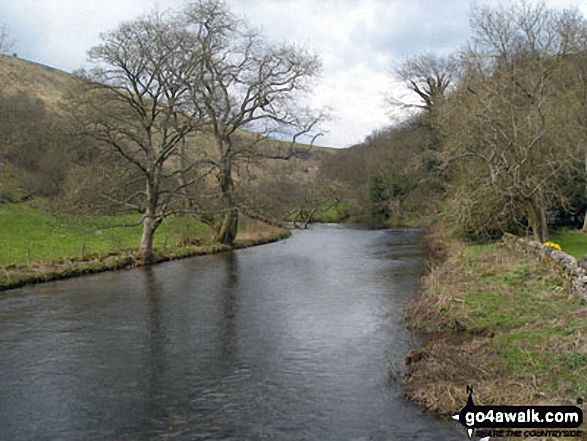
{"points": [[49, 84], [46, 83]]}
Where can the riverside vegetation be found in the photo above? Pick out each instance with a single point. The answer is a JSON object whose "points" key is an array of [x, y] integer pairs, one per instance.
{"points": [[498, 321], [496, 144]]}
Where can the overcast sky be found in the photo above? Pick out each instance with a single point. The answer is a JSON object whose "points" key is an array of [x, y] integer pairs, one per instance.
{"points": [[360, 41]]}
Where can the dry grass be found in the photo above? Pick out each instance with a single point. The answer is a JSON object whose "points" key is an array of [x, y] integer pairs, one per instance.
{"points": [[502, 324], [251, 230], [46, 83], [437, 376]]}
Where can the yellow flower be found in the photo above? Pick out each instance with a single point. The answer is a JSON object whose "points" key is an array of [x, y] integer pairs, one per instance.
{"points": [[556, 246]]}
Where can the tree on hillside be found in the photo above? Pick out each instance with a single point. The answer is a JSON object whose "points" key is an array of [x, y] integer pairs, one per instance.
{"points": [[431, 78], [244, 82], [134, 102], [349, 170]]}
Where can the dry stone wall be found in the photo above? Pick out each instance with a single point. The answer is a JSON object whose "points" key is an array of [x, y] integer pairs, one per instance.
{"points": [[573, 271]]}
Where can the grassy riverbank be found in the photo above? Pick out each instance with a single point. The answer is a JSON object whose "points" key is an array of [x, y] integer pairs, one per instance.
{"points": [[573, 242], [499, 322], [37, 246]]}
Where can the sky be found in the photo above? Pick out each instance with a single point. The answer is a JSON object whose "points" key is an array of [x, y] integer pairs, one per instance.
{"points": [[360, 42]]}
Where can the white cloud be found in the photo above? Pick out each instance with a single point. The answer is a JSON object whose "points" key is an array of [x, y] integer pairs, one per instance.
{"points": [[359, 41], [353, 39], [362, 108]]}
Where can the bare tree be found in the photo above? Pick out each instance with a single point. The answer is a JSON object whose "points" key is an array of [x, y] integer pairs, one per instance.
{"points": [[506, 115], [573, 86], [243, 82], [133, 102], [430, 77]]}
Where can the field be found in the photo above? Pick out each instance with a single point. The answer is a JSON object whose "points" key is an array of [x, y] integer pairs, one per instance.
{"points": [[573, 242], [29, 234], [36, 246]]}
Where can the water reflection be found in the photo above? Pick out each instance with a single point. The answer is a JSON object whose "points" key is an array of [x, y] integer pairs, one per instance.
{"points": [[155, 356], [228, 303]]}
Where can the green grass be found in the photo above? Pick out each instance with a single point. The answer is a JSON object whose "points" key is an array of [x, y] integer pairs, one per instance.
{"points": [[573, 242], [538, 329], [530, 313], [29, 234], [506, 294], [334, 214], [531, 352]]}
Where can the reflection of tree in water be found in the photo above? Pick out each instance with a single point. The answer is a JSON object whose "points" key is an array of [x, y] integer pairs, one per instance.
{"points": [[156, 339], [228, 307], [155, 329]]}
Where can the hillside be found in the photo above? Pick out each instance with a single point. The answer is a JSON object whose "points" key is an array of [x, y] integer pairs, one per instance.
{"points": [[49, 84], [17, 75]]}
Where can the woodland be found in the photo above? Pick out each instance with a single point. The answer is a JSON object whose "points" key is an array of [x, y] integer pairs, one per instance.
{"points": [[497, 139]]}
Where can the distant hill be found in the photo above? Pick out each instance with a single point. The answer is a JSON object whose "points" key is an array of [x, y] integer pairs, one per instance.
{"points": [[49, 84], [17, 75]]}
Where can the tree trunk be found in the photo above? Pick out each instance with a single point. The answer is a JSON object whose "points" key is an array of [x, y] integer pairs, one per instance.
{"points": [[229, 228], [149, 227], [309, 219], [537, 219], [150, 221], [183, 163], [584, 229], [543, 220]]}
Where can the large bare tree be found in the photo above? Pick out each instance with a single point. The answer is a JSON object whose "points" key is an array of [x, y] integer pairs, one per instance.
{"points": [[134, 102], [243, 82], [430, 77]]}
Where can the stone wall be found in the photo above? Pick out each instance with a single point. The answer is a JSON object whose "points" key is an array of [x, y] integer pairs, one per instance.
{"points": [[572, 271]]}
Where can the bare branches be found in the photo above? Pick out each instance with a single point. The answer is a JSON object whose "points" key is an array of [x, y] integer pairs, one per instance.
{"points": [[135, 101], [244, 83], [430, 77], [161, 78], [505, 116], [504, 32]]}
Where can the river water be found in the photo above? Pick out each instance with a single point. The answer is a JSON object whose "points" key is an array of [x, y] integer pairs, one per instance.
{"points": [[286, 341]]}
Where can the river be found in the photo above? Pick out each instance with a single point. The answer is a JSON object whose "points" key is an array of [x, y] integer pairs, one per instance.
{"points": [[286, 341]]}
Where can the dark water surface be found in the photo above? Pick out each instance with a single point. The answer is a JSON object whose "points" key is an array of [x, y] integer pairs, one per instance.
{"points": [[283, 342]]}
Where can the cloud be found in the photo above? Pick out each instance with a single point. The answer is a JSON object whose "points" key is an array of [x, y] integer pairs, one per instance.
{"points": [[59, 33], [362, 110], [360, 41]]}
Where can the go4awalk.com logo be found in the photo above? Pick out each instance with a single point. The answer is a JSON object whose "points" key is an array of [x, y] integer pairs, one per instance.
{"points": [[522, 421]]}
